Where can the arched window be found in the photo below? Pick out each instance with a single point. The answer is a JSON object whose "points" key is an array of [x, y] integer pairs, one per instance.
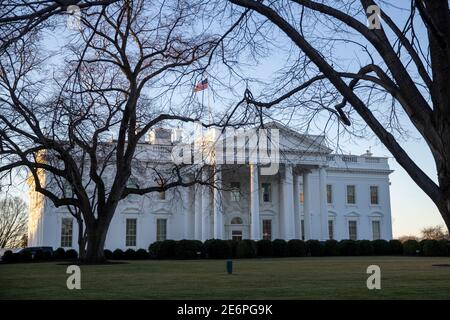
{"points": [[236, 220]]}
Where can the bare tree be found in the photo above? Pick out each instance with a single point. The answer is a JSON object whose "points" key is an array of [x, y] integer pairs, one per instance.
{"points": [[79, 133], [396, 67], [13, 222], [434, 233]]}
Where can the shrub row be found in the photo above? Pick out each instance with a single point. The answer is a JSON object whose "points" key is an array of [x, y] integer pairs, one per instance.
{"points": [[222, 249], [58, 254]]}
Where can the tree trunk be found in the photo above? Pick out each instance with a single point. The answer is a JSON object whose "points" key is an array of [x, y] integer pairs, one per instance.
{"points": [[96, 243], [81, 240]]}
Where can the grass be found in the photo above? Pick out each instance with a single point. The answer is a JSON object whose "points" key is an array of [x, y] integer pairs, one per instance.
{"points": [[289, 278]]}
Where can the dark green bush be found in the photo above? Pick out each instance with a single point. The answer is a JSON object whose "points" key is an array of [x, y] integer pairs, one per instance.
{"points": [[411, 248], [47, 256], [365, 248], [167, 249], [188, 249], [154, 248], [108, 254], [59, 254], [279, 248], [118, 254], [313, 248], [296, 248], [71, 254], [434, 248], [264, 248], [348, 248], [246, 249], [217, 249], [8, 256], [141, 254], [38, 255], [22, 256], [381, 247], [233, 245], [130, 254], [331, 248], [396, 247]]}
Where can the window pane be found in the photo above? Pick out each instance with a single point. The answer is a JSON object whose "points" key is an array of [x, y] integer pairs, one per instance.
{"points": [[374, 194], [329, 193], [330, 229], [376, 230], [267, 229], [351, 197], [130, 235], [235, 191], [66, 232], [161, 229], [352, 232], [267, 192]]}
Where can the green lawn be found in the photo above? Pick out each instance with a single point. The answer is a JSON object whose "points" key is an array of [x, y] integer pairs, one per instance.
{"points": [[290, 278]]}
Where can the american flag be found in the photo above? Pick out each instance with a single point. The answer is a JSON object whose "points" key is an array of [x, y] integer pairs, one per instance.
{"points": [[202, 85]]}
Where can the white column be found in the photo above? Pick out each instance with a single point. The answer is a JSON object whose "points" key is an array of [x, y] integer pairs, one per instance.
{"points": [[218, 211], [205, 207], [297, 207], [198, 213], [323, 203], [306, 205], [288, 203], [255, 233], [186, 197]]}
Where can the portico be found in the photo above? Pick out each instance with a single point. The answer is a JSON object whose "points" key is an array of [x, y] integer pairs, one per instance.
{"points": [[294, 201]]}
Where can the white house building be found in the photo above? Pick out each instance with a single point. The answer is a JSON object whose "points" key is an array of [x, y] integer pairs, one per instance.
{"points": [[314, 194]]}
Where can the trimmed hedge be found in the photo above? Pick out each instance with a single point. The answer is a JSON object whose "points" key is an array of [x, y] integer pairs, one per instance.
{"points": [[246, 249], [296, 248], [331, 248], [264, 248], [348, 248], [435, 248], [280, 248], [365, 247], [59, 254], [218, 249], [130, 254], [233, 245], [381, 247], [142, 254], [396, 247], [313, 248], [188, 249], [411, 248], [118, 254], [71, 254]]}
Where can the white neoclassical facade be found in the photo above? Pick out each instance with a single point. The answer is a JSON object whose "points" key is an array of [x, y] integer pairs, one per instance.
{"points": [[314, 194]]}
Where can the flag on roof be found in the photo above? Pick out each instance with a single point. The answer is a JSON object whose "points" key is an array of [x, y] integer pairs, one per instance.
{"points": [[202, 85]]}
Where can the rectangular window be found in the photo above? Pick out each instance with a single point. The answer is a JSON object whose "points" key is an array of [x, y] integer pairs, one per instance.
{"points": [[66, 232], [236, 235], [373, 194], [267, 192], [161, 229], [352, 232], [331, 229], [351, 196], [162, 195], [235, 191], [329, 193], [302, 226], [130, 233], [302, 195], [376, 230], [267, 229]]}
